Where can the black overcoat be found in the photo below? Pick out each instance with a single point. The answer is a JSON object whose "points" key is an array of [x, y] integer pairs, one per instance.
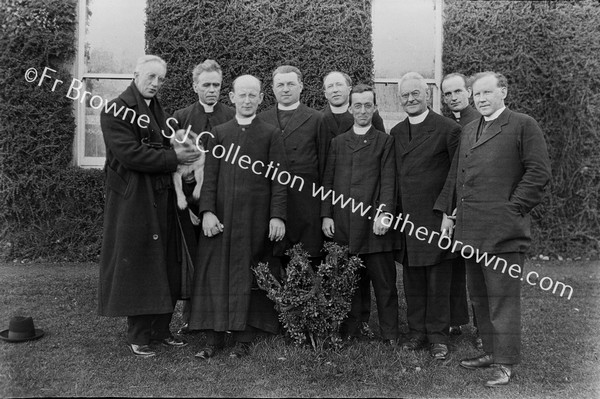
{"points": [[244, 201], [134, 260], [498, 180], [364, 169], [306, 140], [422, 167], [347, 121]]}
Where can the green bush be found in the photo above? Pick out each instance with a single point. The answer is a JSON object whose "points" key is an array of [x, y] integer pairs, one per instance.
{"points": [[255, 36], [312, 305], [550, 53], [48, 209]]}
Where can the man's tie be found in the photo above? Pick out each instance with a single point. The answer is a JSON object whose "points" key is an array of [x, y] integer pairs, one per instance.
{"points": [[483, 129]]}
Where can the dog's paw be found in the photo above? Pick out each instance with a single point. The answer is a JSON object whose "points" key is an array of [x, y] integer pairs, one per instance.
{"points": [[182, 203], [196, 192]]}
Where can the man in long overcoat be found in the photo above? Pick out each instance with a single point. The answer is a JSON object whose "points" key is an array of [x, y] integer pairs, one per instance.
{"points": [[243, 209], [337, 87], [139, 263], [498, 176], [200, 117], [456, 93], [425, 143], [306, 140], [361, 167]]}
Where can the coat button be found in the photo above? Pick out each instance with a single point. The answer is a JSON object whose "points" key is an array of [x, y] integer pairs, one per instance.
{"points": [[154, 204], [155, 237]]}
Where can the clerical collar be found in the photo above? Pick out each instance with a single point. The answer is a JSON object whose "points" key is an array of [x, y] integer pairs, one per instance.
{"points": [[288, 107], [244, 120], [457, 114], [415, 120], [207, 108], [494, 115], [148, 101], [342, 109], [361, 130]]}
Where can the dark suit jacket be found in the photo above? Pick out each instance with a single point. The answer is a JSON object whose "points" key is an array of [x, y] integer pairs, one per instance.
{"points": [[365, 171], [497, 181], [467, 115], [200, 121], [422, 168], [306, 140], [347, 121]]}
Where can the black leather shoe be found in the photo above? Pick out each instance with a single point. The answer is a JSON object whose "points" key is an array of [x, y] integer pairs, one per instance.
{"points": [[485, 360], [413, 344], [501, 376], [141, 350], [207, 352], [455, 330], [240, 349], [439, 351], [366, 331], [173, 342]]}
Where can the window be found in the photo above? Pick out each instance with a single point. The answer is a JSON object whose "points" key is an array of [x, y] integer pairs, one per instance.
{"points": [[111, 38]]}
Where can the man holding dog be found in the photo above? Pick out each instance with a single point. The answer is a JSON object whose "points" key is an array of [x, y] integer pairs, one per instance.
{"points": [[306, 141], [201, 116], [140, 274], [242, 214], [497, 177]]}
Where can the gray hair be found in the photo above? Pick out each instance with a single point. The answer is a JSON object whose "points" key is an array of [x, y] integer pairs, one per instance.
{"points": [[206, 66], [345, 75], [144, 59], [501, 79], [288, 69]]}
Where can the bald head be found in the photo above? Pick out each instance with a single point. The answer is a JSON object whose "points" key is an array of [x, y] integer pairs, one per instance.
{"points": [[246, 95]]}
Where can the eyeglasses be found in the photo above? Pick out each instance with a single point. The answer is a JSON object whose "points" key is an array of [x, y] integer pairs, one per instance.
{"points": [[359, 106], [415, 94]]}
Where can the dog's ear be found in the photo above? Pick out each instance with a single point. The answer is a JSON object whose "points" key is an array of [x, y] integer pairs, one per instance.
{"points": [[193, 135]]}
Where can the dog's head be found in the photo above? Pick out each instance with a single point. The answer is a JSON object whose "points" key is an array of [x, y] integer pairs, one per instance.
{"points": [[186, 138]]}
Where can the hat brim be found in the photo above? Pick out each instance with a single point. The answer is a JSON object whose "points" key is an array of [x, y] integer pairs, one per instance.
{"points": [[38, 334]]}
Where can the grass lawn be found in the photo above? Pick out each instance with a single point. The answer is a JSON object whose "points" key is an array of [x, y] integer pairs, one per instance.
{"points": [[85, 355]]}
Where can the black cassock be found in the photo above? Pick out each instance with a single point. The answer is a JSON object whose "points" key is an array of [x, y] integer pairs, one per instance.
{"points": [[225, 296]]}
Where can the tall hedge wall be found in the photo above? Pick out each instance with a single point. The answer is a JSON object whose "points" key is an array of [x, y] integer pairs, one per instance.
{"points": [[47, 208], [550, 53], [255, 36]]}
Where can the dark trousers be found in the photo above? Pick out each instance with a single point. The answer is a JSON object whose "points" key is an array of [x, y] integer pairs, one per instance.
{"points": [[364, 290], [381, 270], [496, 297], [144, 328], [217, 338], [459, 308], [427, 291]]}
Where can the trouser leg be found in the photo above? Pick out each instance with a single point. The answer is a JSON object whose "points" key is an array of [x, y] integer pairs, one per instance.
{"points": [[215, 338], [138, 329], [160, 326], [381, 270], [479, 298], [459, 308], [415, 292], [437, 318]]}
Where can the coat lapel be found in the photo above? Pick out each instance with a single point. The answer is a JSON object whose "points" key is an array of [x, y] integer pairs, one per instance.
{"points": [[494, 129], [300, 116], [365, 140], [425, 131]]}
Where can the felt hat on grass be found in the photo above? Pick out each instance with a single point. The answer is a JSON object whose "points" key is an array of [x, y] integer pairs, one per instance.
{"points": [[21, 329]]}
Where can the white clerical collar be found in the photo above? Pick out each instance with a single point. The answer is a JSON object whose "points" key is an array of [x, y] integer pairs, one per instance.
{"points": [[244, 120], [457, 114], [148, 101], [494, 115], [342, 109], [207, 108], [415, 120], [361, 130], [288, 107]]}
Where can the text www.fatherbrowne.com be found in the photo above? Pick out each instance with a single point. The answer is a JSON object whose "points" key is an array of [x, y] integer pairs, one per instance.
{"points": [[283, 177]]}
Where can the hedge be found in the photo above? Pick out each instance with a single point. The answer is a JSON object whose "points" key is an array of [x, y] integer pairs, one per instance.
{"points": [[550, 53], [255, 36]]}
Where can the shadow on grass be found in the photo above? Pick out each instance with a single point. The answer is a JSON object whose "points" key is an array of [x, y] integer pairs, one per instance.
{"points": [[85, 355]]}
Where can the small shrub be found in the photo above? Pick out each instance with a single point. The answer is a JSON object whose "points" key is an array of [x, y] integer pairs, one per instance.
{"points": [[311, 304]]}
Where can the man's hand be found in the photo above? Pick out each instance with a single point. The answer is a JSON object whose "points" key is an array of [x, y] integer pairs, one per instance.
{"points": [[447, 227], [379, 228], [276, 229], [186, 153], [328, 227], [211, 226]]}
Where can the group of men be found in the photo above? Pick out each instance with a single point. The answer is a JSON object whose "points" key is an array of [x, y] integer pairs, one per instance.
{"points": [[485, 170]]}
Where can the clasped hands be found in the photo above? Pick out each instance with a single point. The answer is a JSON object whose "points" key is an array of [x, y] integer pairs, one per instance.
{"points": [[211, 226]]}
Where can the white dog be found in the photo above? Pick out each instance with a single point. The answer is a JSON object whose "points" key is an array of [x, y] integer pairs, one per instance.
{"points": [[191, 172]]}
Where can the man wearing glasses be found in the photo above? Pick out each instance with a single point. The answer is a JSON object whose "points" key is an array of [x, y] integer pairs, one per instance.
{"points": [[425, 143], [360, 166]]}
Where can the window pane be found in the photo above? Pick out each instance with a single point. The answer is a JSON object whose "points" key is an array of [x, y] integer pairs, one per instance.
{"points": [[115, 35], [107, 89]]}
